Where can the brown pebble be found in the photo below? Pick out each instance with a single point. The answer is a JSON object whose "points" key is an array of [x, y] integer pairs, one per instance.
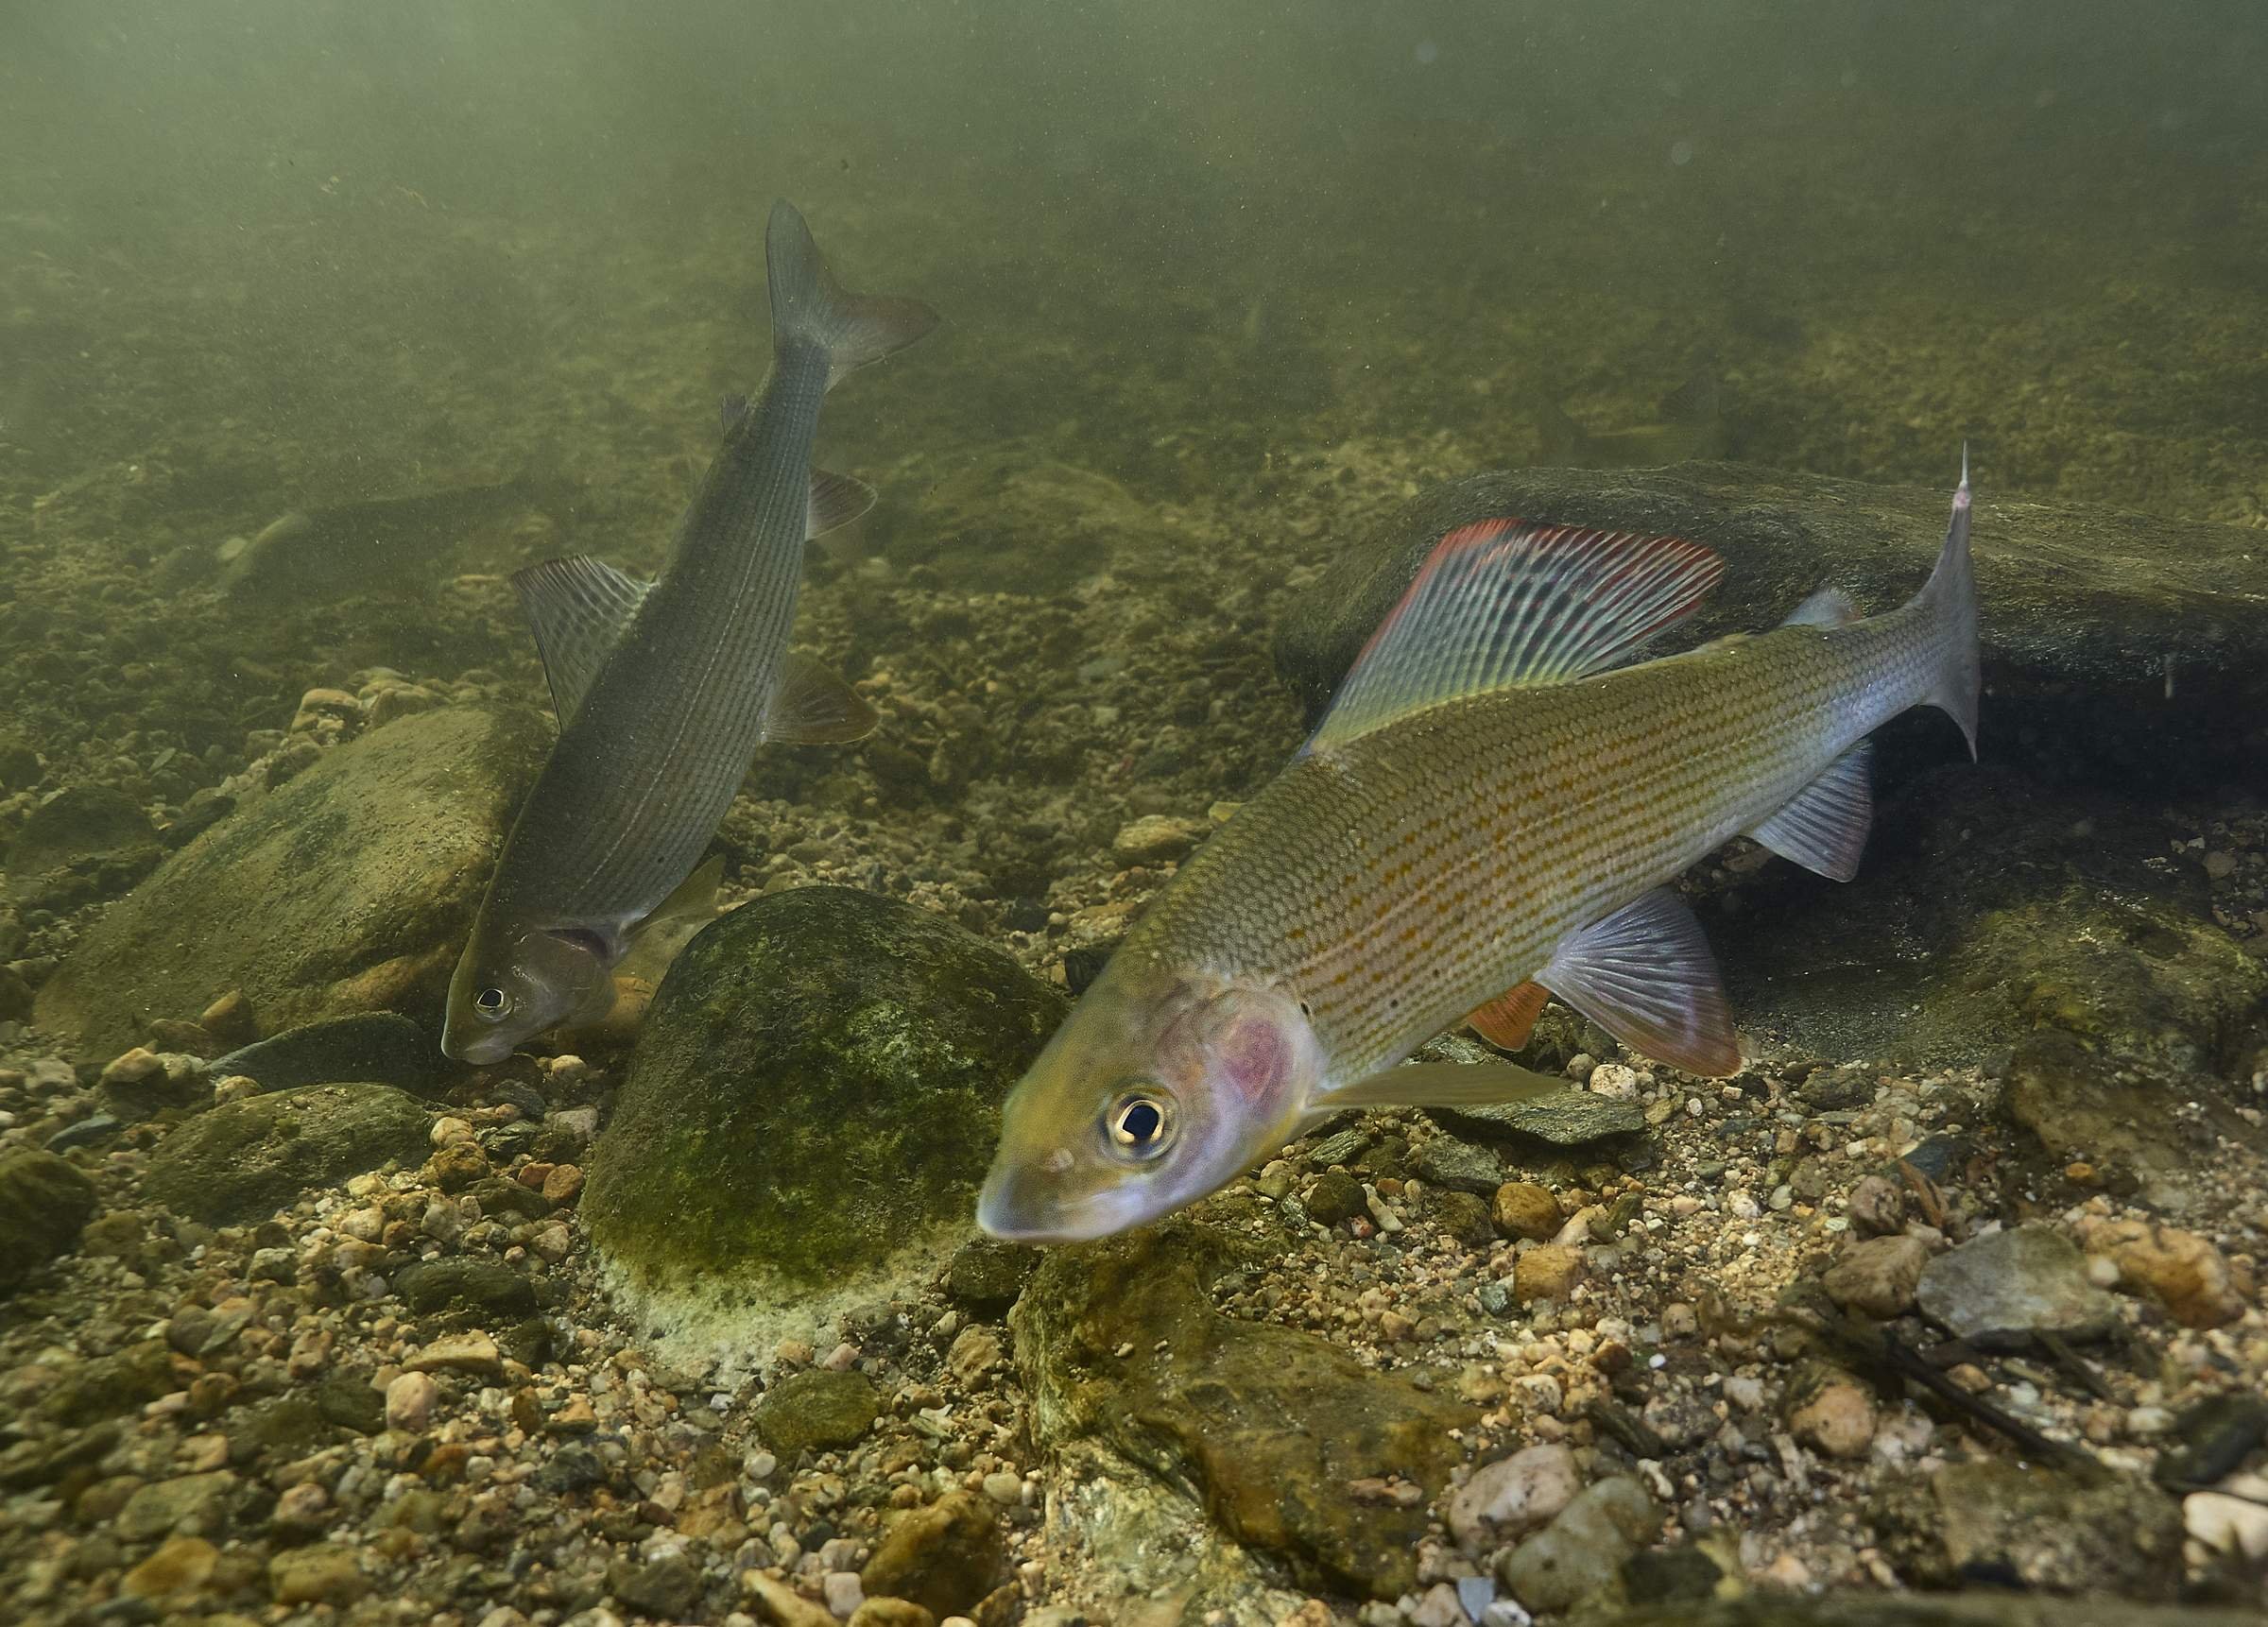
{"points": [[1878, 1206], [2180, 1269], [230, 1019], [1524, 1209], [563, 1183], [457, 1166], [1549, 1271]]}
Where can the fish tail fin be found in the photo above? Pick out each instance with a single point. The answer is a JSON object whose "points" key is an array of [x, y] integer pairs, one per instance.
{"points": [[810, 307], [1949, 604]]}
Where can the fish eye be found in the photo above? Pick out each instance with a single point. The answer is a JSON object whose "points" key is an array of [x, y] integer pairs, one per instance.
{"points": [[492, 1002], [1139, 1125]]}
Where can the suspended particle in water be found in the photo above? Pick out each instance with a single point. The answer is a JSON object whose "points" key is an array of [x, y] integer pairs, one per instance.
{"points": [[1427, 52], [1681, 153]]}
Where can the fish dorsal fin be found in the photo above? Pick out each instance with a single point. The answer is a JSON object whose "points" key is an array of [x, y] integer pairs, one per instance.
{"points": [[1827, 608], [1824, 826], [812, 705], [1445, 1084], [1506, 1022], [835, 501], [1645, 975], [1504, 604], [577, 607]]}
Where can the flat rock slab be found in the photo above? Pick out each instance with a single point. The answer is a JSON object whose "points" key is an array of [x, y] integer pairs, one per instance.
{"points": [[1999, 1290], [246, 1158], [2084, 611], [1118, 1344], [350, 888]]}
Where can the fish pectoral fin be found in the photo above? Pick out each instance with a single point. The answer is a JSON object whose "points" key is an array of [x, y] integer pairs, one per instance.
{"points": [[835, 501], [1506, 1022], [1506, 605], [655, 941], [577, 607], [1444, 1085], [812, 705], [1645, 975], [1824, 826]]}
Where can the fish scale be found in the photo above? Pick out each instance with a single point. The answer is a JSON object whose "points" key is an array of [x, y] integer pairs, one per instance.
{"points": [[1402, 878]]}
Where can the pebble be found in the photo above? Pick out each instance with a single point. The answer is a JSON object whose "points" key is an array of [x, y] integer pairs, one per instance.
{"points": [[1878, 1276], [1548, 1270], [1832, 1412], [322, 1574], [1335, 1196], [2003, 1287], [409, 1402], [1508, 1498], [180, 1564], [842, 1592], [1157, 839], [1004, 1488], [461, 1352], [2230, 1523], [2180, 1269], [1613, 1079], [1524, 1209]]}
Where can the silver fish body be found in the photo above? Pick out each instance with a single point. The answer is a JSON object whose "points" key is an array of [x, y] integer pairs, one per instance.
{"points": [[665, 689]]}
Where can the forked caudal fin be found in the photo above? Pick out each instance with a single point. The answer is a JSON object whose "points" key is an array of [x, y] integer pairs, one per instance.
{"points": [[808, 305], [1949, 599]]}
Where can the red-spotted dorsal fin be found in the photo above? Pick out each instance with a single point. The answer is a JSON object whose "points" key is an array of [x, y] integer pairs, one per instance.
{"points": [[1506, 1022], [1506, 604]]}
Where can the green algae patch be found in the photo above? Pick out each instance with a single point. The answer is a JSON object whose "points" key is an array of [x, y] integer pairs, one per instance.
{"points": [[815, 1096]]}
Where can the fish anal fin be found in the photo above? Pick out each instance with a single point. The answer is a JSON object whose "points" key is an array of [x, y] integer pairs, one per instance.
{"points": [[1506, 1022], [835, 501], [578, 607], [1504, 604], [1444, 1085], [1646, 976], [1824, 826], [812, 705], [1827, 608]]}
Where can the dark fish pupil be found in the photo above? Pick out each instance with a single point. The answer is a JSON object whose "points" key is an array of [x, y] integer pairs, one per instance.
{"points": [[491, 1000], [1141, 1123]]}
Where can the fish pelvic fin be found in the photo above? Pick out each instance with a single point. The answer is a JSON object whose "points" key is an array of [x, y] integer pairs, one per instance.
{"points": [[810, 307], [1504, 604], [1949, 604], [1506, 1022]]}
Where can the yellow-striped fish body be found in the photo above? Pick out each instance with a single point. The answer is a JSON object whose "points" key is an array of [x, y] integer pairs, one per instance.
{"points": [[1489, 813]]}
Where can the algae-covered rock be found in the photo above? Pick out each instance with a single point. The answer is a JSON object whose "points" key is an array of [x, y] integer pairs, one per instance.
{"points": [[2047, 1527], [2082, 609], [813, 1100], [816, 1409], [349, 889], [1774, 1607], [1987, 908], [249, 1157], [1277, 1429], [944, 1557], [45, 1203]]}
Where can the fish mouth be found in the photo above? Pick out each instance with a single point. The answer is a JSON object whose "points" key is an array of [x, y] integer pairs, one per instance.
{"points": [[1018, 1209], [478, 1050]]}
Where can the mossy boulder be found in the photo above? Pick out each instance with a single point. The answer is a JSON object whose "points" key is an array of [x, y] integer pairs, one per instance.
{"points": [[250, 1157], [350, 888], [45, 1203], [2116, 645], [1119, 1345], [811, 1103]]}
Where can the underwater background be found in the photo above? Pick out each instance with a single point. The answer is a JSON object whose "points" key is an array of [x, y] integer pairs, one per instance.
{"points": [[319, 321]]}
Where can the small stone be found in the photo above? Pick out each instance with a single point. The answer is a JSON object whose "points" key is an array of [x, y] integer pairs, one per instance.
{"points": [[553, 1243], [564, 1182], [1878, 1276], [456, 1165], [230, 1019], [841, 1590], [975, 1351], [1524, 1209], [2180, 1269], [986, 1276], [1581, 1552], [322, 1574], [179, 1566], [1157, 839], [1458, 1165], [449, 1131], [1277, 1178], [815, 1409], [896, 1613], [1680, 1320], [665, 1588], [1548, 1270], [1335, 1196], [1830, 1410], [301, 1510], [45, 1203], [2003, 1287], [191, 1504], [945, 1557], [1465, 1217], [1613, 1079], [1440, 1607], [1508, 1498], [2237, 1526], [409, 1402], [474, 1353], [1878, 1207], [782, 1605]]}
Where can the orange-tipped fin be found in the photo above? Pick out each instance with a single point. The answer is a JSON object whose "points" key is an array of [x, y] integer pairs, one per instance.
{"points": [[1506, 1022]]}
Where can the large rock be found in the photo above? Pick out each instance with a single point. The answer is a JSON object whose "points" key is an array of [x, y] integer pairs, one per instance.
{"points": [[810, 1106], [1287, 1438], [349, 889], [45, 1203], [2085, 610], [255, 1154], [1987, 908], [2057, 1531]]}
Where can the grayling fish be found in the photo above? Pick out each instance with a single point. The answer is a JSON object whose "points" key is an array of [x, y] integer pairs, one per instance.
{"points": [[392, 545], [665, 689]]}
